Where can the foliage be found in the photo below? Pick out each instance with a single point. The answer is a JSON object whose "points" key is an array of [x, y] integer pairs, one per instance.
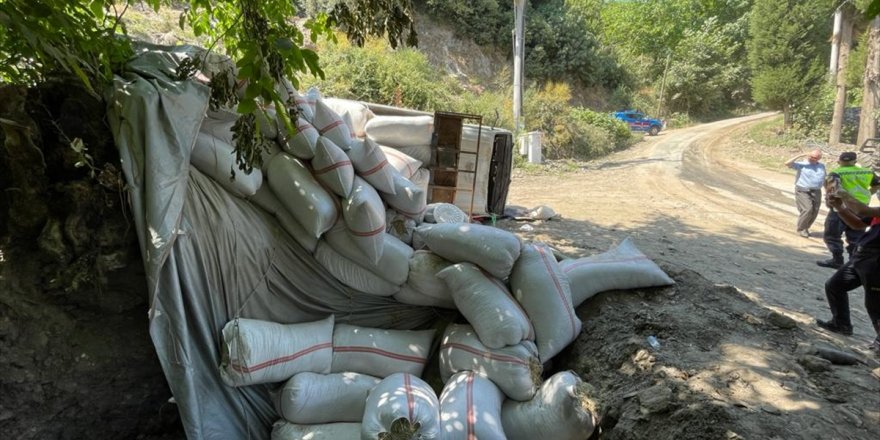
{"points": [[787, 50], [813, 117], [481, 20], [678, 120], [618, 130]]}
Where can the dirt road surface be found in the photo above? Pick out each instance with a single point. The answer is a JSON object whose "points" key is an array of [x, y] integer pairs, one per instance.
{"points": [[732, 365]]}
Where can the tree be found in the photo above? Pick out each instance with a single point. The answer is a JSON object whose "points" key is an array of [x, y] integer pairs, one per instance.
{"points": [[788, 40], [871, 96]]}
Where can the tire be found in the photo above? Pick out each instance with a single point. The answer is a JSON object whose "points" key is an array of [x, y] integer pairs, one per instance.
{"points": [[654, 130]]}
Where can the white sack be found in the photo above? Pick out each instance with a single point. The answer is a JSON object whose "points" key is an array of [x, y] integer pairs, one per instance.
{"points": [[515, 369], [216, 159], [282, 430], [421, 153], [445, 213], [303, 197], [422, 179], [408, 199], [487, 305], [313, 95], [311, 398], [352, 274], [302, 144], [267, 121], [621, 267], [470, 408], [561, 410], [380, 352], [423, 268], [254, 352], [493, 249], [400, 226], [222, 130], [266, 199], [401, 131], [543, 291], [370, 163], [405, 165], [393, 266], [331, 125], [364, 215], [403, 396], [411, 296], [332, 167], [360, 114]]}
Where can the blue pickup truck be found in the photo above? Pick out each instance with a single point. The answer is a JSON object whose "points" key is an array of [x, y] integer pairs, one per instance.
{"points": [[638, 122]]}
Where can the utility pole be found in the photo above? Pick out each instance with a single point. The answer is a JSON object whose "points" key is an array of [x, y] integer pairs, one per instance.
{"points": [[844, 38], [519, 20], [663, 86], [835, 42]]}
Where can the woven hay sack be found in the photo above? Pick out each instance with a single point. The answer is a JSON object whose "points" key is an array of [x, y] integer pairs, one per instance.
{"points": [[304, 198], [421, 153], [487, 305], [216, 159], [313, 95], [405, 165], [543, 291], [332, 167], [352, 274], [380, 352], [283, 430], [515, 369], [400, 226], [408, 199], [423, 268], [254, 352], [411, 296], [401, 131], [622, 267], [364, 215], [393, 266], [470, 408], [359, 113], [370, 163], [401, 407], [561, 409], [312, 398], [265, 198], [493, 249], [422, 179], [331, 125], [302, 143]]}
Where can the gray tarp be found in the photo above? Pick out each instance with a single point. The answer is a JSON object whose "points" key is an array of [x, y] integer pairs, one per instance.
{"points": [[211, 257]]}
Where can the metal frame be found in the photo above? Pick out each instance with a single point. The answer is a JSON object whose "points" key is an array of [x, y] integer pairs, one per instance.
{"points": [[435, 150]]}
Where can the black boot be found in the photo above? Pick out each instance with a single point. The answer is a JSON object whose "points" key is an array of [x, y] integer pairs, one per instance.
{"points": [[833, 263], [832, 326]]}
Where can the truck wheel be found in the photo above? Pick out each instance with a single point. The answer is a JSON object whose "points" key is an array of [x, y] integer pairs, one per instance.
{"points": [[654, 130]]}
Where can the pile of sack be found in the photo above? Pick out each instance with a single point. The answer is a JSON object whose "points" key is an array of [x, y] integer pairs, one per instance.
{"points": [[347, 188]]}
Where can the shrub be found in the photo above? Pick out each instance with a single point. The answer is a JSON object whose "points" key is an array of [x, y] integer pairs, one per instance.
{"points": [[618, 131]]}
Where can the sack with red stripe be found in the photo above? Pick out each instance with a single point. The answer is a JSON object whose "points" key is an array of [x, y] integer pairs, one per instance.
{"points": [[401, 131], [393, 266], [364, 214], [332, 167], [352, 274], [313, 206], [621, 267], [470, 408], [418, 152], [292, 99], [265, 198], [405, 165], [515, 369], [254, 352], [423, 268], [359, 113], [370, 163], [402, 406], [543, 291], [302, 144], [331, 125], [408, 198], [313, 95], [283, 430], [487, 305], [562, 409], [313, 398], [493, 249], [379, 352]]}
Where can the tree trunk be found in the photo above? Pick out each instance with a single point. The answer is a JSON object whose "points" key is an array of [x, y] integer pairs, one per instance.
{"points": [[835, 42], [840, 76], [786, 117], [871, 101]]}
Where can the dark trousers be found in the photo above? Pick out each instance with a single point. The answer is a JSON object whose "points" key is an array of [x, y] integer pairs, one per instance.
{"points": [[834, 228], [808, 203], [862, 269]]}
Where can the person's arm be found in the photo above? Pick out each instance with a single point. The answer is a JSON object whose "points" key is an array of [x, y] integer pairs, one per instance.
{"points": [[790, 162], [852, 211], [875, 184]]}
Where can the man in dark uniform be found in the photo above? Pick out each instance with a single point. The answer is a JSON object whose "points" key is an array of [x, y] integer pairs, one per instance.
{"points": [[862, 269]]}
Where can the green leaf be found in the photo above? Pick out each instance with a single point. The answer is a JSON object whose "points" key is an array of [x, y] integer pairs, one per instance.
{"points": [[247, 106], [97, 8], [181, 21], [873, 9]]}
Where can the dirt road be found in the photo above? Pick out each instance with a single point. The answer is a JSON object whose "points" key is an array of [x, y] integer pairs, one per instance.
{"points": [[738, 356], [685, 199]]}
